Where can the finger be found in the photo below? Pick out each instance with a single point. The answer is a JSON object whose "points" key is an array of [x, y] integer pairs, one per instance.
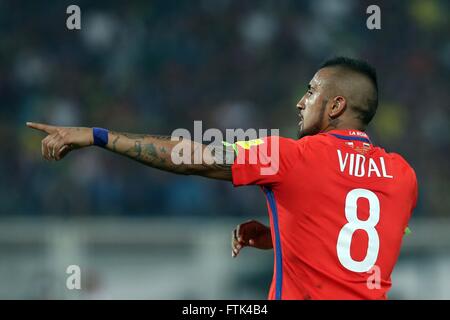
{"points": [[251, 242], [57, 149], [235, 250], [44, 147], [238, 233], [234, 239], [236, 245], [49, 147], [238, 249], [62, 152], [57, 145], [41, 127], [233, 235], [52, 142]]}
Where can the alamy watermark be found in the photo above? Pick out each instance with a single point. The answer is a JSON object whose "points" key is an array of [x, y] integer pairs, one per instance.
{"points": [[374, 20], [73, 281], [73, 21], [192, 149], [374, 280]]}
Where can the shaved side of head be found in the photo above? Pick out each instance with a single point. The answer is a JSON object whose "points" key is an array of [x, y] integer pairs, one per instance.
{"points": [[356, 81]]}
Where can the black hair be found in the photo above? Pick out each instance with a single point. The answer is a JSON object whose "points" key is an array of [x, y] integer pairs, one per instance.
{"points": [[364, 68]]}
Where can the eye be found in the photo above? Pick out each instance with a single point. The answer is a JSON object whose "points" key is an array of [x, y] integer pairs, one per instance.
{"points": [[309, 92]]}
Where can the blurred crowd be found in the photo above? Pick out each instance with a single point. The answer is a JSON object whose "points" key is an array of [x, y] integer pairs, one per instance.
{"points": [[154, 66]]}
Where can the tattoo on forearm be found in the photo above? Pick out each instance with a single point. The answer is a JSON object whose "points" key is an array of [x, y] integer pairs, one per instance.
{"points": [[161, 137], [155, 151], [142, 136], [138, 149], [144, 152], [131, 152], [114, 143], [132, 135], [150, 152], [147, 153]]}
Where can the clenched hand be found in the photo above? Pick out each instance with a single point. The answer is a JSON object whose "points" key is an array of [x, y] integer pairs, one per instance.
{"points": [[250, 234]]}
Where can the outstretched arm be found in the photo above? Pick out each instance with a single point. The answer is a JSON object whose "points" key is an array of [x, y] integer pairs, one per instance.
{"points": [[152, 150]]}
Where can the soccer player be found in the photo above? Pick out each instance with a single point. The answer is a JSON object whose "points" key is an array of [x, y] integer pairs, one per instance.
{"points": [[338, 205]]}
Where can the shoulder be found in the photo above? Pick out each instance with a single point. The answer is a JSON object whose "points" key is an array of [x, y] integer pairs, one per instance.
{"points": [[399, 159], [409, 174], [402, 164], [282, 142]]}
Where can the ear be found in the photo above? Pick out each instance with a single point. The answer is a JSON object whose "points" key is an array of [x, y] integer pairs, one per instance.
{"points": [[339, 104]]}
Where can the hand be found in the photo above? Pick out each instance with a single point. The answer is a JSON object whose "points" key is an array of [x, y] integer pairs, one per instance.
{"points": [[61, 140], [250, 234]]}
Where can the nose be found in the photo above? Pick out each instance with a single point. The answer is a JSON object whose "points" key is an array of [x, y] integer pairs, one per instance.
{"points": [[300, 105]]}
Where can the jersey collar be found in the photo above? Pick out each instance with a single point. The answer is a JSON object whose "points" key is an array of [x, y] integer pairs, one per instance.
{"points": [[350, 135]]}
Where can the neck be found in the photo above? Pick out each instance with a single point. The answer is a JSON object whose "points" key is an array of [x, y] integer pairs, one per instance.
{"points": [[337, 124]]}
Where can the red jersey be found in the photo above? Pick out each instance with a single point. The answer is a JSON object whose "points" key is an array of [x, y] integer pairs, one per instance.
{"points": [[338, 210]]}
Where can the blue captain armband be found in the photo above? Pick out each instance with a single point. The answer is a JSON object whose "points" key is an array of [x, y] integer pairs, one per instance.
{"points": [[100, 136]]}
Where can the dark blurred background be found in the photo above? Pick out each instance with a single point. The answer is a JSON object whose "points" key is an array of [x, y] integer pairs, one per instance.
{"points": [[154, 66]]}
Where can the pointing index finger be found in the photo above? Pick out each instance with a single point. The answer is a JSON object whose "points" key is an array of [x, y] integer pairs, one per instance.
{"points": [[41, 127], [237, 234]]}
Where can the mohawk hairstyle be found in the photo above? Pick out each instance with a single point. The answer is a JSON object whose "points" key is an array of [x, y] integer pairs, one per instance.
{"points": [[364, 68]]}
